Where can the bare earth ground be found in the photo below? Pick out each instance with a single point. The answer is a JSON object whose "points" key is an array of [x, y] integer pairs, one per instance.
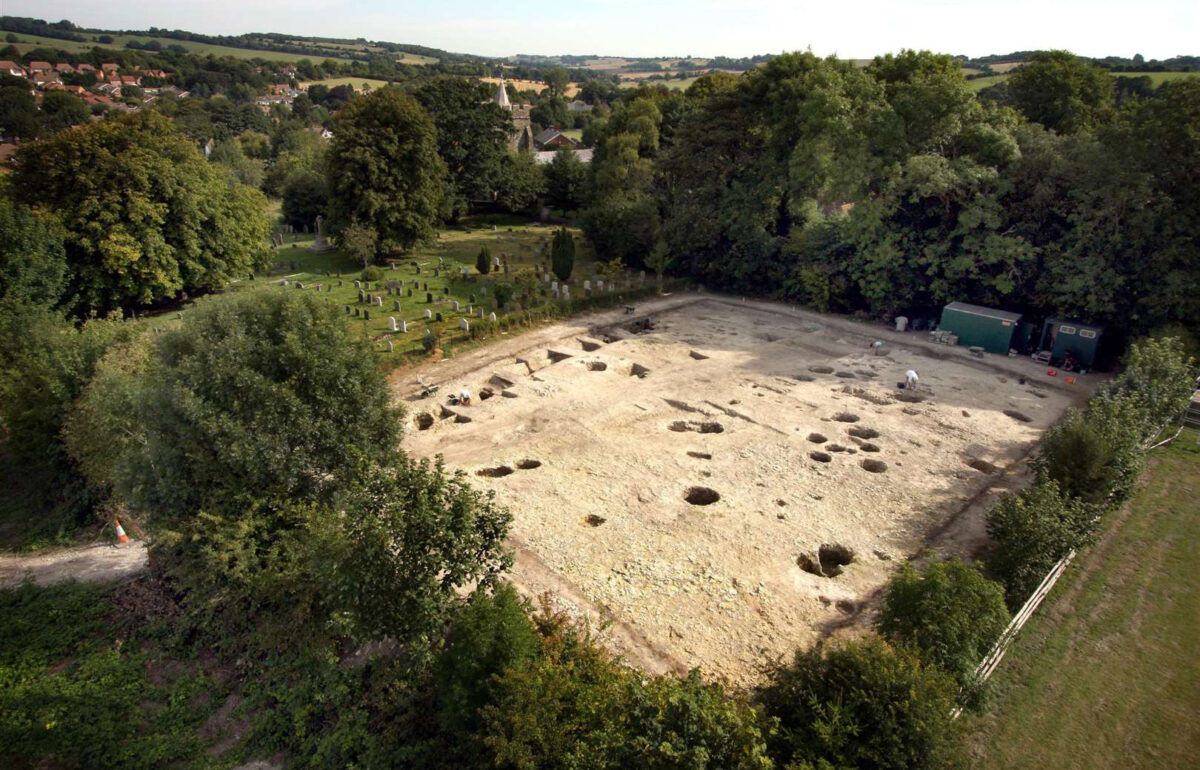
{"points": [[602, 524], [89, 564]]}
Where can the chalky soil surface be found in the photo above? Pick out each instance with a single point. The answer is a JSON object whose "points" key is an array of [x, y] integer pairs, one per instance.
{"points": [[734, 481]]}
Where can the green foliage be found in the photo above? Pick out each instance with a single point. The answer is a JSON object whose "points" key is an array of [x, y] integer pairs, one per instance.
{"points": [[519, 183], [406, 538], [622, 228], [1031, 531], [575, 707], [45, 364], [18, 112], [149, 219], [472, 137], [371, 273], [430, 341], [483, 262], [1061, 91], [861, 704], [267, 393], [1158, 377], [61, 110], [33, 262], [70, 698], [490, 635], [658, 260], [562, 254], [384, 170], [566, 180], [948, 611], [362, 241]]}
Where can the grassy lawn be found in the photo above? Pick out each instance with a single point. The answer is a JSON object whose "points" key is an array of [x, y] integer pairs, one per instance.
{"points": [[1107, 675], [358, 83]]}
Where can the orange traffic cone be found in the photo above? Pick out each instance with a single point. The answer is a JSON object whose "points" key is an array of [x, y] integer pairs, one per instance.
{"points": [[121, 536]]}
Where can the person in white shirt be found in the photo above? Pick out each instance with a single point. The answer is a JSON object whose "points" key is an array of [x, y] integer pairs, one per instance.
{"points": [[910, 379], [465, 397]]}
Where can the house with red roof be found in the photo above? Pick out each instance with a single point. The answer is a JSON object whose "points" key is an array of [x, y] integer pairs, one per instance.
{"points": [[40, 66], [12, 68]]}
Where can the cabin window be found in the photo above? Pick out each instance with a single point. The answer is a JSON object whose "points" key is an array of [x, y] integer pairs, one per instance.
{"points": [[1066, 330], [1087, 334]]}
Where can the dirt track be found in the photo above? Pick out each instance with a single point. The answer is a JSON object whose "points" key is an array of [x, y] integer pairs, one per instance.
{"points": [[89, 564], [719, 399]]}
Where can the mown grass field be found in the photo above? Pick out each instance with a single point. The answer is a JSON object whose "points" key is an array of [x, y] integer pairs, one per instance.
{"points": [[358, 83], [1158, 78], [1107, 675], [29, 42]]}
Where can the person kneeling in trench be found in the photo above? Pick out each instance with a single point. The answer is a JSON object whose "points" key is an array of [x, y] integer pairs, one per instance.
{"points": [[910, 380], [464, 397]]}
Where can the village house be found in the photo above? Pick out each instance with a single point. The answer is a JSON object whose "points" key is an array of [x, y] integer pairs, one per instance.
{"points": [[46, 80], [12, 68], [109, 68], [578, 106], [131, 80], [82, 68], [63, 68], [40, 66], [552, 137]]}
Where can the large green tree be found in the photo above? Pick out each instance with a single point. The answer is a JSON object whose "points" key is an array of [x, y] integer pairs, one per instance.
{"points": [[472, 137], [33, 259], [384, 169], [146, 217], [268, 395], [1062, 91], [61, 109], [566, 181]]}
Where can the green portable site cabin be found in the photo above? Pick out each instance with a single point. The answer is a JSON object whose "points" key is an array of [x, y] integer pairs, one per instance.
{"points": [[1061, 336], [978, 326]]}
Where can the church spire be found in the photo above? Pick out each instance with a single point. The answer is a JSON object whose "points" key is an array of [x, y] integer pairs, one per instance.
{"points": [[502, 94]]}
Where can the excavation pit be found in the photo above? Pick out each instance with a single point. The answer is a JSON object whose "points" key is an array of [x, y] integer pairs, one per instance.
{"points": [[867, 446], [846, 417], [817, 438], [697, 356], [874, 466], [821, 369], [496, 472], [596, 366], [529, 464], [700, 455], [821, 457], [983, 466], [701, 496], [592, 520], [861, 432], [423, 421]]}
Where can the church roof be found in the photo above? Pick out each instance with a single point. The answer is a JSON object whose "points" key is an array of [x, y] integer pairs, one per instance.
{"points": [[502, 95]]}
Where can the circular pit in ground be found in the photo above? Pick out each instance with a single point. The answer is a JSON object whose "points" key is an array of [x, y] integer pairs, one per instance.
{"points": [[701, 496]]}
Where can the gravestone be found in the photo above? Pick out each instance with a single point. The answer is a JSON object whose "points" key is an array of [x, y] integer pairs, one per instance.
{"points": [[396, 305], [347, 310], [366, 315], [464, 324], [428, 297], [356, 312], [471, 299], [599, 285], [358, 284], [362, 296], [379, 301], [491, 317], [424, 287], [284, 282], [410, 292], [404, 327], [391, 323], [455, 305], [566, 292], [391, 266], [438, 317], [428, 314], [390, 346], [470, 311], [445, 290]]}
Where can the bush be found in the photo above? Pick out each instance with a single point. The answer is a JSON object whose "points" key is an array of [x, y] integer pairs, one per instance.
{"points": [[372, 274], [1158, 376], [430, 341], [483, 262], [948, 611], [861, 704], [1033, 530], [265, 394]]}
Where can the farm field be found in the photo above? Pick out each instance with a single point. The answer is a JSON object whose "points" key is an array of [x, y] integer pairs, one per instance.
{"points": [[358, 83], [33, 41], [1107, 675], [536, 86], [703, 458], [1158, 78]]}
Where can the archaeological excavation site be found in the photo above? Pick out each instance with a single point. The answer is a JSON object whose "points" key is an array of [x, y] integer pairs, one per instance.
{"points": [[722, 482]]}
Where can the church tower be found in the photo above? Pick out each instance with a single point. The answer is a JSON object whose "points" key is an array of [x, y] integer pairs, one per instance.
{"points": [[521, 139]]}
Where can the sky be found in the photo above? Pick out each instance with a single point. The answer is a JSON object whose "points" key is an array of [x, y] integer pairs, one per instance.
{"points": [[1154, 28]]}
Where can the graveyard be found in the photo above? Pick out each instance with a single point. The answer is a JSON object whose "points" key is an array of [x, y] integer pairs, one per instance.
{"points": [[435, 288], [724, 480]]}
